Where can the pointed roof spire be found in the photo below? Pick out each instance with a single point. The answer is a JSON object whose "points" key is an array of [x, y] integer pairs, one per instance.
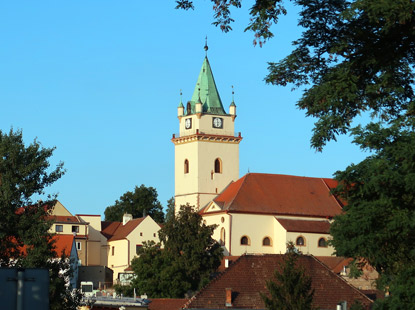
{"points": [[181, 102], [206, 91], [233, 101]]}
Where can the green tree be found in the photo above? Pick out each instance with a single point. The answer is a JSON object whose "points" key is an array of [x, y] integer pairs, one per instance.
{"points": [[378, 222], [170, 210], [25, 240], [185, 263], [291, 287], [352, 57], [141, 202]]}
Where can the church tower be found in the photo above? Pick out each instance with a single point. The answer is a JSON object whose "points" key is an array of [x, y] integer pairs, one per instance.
{"points": [[207, 149]]}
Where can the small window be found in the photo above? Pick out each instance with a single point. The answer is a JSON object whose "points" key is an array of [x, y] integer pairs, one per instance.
{"points": [[154, 235], [218, 165], [322, 243], [300, 241], [189, 108], [138, 248], [113, 250], [186, 166], [266, 241], [78, 246], [75, 229], [222, 236], [141, 234], [59, 228], [245, 240]]}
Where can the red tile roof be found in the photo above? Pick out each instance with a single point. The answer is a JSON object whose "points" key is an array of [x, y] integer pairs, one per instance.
{"points": [[117, 231], [248, 275], [64, 219], [280, 194], [167, 304], [335, 263], [317, 227], [63, 243]]}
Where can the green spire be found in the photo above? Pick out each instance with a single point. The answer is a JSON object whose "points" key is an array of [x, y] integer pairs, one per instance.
{"points": [[207, 92]]}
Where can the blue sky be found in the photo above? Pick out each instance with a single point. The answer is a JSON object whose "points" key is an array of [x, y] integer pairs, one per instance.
{"points": [[101, 81]]}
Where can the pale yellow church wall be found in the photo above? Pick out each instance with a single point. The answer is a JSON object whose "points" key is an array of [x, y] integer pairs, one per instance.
{"points": [[223, 220], [311, 243], [281, 233], [256, 228], [201, 178]]}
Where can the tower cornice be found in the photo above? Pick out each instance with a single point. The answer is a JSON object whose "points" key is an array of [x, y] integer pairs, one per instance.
{"points": [[206, 138]]}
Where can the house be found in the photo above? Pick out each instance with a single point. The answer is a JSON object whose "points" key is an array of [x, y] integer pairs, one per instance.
{"points": [[241, 285], [124, 241], [64, 223]]}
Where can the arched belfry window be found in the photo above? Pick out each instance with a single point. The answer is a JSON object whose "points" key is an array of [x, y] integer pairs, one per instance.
{"points": [[300, 241], [245, 240], [218, 165], [186, 166], [266, 241], [322, 243], [222, 236]]}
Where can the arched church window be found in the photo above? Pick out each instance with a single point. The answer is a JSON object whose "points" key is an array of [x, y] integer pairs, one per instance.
{"points": [[222, 236], [245, 240], [300, 241], [218, 165], [266, 241], [322, 243], [186, 166]]}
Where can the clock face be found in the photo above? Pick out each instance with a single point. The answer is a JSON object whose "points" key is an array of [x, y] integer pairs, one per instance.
{"points": [[217, 122], [188, 123]]}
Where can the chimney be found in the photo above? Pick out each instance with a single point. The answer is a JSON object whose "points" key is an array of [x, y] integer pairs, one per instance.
{"points": [[228, 302], [126, 218]]}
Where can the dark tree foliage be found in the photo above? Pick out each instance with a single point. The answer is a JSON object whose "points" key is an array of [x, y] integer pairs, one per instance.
{"points": [[291, 287], [170, 209], [379, 220], [25, 240], [184, 263], [141, 202], [353, 57]]}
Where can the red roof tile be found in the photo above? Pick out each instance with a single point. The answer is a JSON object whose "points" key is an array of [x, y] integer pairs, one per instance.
{"points": [[335, 263], [64, 219], [117, 231], [304, 226], [167, 304], [280, 194], [248, 275], [63, 243]]}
